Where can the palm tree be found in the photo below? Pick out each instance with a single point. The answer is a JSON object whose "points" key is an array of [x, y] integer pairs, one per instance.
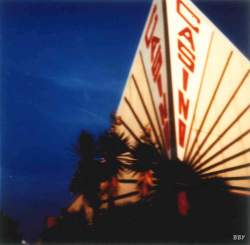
{"points": [[86, 180], [182, 199], [146, 158], [112, 147], [100, 164]]}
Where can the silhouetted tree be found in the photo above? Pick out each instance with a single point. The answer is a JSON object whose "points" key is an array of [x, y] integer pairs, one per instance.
{"points": [[100, 164], [9, 231], [146, 158], [87, 178], [183, 205], [112, 147]]}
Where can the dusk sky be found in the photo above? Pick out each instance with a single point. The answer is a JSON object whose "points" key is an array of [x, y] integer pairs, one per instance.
{"points": [[64, 65]]}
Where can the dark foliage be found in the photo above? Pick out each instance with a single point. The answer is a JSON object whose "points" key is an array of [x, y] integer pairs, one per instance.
{"points": [[9, 232], [146, 157], [85, 146], [70, 228], [87, 178], [99, 161], [213, 218], [111, 147], [183, 207]]}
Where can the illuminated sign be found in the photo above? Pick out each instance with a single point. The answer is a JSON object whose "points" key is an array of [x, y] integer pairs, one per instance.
{"points": [[144, 104], [190, 82]]}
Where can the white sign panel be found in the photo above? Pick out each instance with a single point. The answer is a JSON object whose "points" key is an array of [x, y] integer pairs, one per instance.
{"points": [[189, 37], [211, 84], [143, 107]]}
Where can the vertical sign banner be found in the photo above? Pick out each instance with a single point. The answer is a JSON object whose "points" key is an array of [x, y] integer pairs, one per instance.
{"points": [[210, 86], [189, 37], [143, 109]]}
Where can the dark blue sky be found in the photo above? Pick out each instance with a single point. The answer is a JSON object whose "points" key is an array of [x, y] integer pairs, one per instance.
{"points": [[63, 68]]}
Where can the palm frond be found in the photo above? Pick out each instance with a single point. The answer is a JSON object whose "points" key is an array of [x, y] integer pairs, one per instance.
{"points": [[111, 146], [85, 146], [146, 157], [113, 143]]}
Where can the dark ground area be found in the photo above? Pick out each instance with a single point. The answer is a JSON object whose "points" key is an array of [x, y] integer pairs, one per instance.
{"points": [[158, 221]]}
